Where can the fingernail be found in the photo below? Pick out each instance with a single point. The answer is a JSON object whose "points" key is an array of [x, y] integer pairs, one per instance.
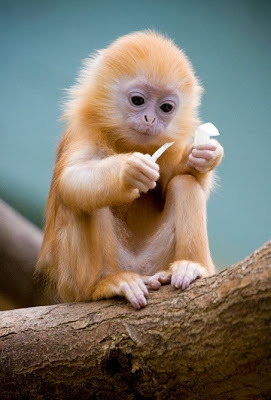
{"points": [[143, 302], [186, 283]]}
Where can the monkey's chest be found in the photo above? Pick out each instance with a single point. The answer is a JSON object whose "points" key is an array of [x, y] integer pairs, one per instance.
{"points": [[139, 220], [145, 237]]}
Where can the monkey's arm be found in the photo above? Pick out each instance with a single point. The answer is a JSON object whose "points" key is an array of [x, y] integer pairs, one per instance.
{"points": [[86, 184]]}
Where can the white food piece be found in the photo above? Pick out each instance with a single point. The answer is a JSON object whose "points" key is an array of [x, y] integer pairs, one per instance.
{"points": [[161, 150], [203, 133]]}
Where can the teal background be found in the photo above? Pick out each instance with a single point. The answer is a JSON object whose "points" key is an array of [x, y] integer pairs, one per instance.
{"points": [[42, 44]]}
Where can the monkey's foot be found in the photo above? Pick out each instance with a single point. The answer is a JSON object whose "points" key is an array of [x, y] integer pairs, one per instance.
{"points": [[155, 281], [185, 272], [125, 284], [135, 290]]}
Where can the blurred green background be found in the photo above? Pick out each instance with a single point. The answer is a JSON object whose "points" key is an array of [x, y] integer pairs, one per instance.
{"points": [[42, 44]]}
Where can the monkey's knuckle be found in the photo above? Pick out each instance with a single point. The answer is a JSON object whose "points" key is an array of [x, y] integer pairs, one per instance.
{"points": [[126, 170], [123, 286], [153, 175], [138, 279], [155, 284], [130, 163], [201, 168], [138, 293], [145, 189], [138, 156], [156, 176], [134, 157], [174, 267], [209, 155]]}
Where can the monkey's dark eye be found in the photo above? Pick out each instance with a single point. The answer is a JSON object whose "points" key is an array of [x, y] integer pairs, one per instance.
{"points": [[137, 100], [166, 107]]}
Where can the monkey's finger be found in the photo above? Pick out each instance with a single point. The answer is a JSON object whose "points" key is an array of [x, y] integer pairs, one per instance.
{"points": [[135, 192], [200, 164], [140, 186], [146, 170], [126, 291], [178, 274], [205, 154], [193, 272], [146, 158], [198, 272], [196, 161], [152, 282], [137, 175], [143, 287], [136, 178], [178, 280], [174, 277], [143, 162], [132, 181], [138, 293], [164, 277], [209, 146], [189, 275]]}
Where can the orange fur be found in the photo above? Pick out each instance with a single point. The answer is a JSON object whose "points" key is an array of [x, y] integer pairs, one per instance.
{"points": [[101, 234]]}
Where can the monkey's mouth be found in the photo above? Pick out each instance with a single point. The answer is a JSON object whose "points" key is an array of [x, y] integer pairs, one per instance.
{"points": [[148, 132], [144, 129]]}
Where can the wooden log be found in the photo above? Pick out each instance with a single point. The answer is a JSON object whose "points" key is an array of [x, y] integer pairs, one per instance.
{"points": [[210, 341]]}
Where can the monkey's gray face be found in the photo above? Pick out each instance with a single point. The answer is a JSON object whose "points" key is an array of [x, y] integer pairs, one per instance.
{"points": [[147, 109]]}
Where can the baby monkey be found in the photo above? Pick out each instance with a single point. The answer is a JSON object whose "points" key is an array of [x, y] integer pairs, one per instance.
{"points": [[117, 222]]}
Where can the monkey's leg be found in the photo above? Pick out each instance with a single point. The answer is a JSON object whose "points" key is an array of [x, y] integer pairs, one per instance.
{"points": [[186, 200], [126, 284]]}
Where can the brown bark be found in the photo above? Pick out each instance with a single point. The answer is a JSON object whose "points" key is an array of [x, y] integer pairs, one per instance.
{"points": [[211, 341], [20, 243]]}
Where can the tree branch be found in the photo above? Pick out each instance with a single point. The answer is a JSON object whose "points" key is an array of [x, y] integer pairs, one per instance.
{"points": [[211, 341], [20, 243]]}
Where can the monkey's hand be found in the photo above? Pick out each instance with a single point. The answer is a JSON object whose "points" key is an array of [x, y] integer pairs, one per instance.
{"points": [[205, 157], [140, 172], [185, 272]]}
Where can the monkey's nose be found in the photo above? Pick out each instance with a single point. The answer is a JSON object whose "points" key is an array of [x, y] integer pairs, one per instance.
{"points": [[149, 119]]}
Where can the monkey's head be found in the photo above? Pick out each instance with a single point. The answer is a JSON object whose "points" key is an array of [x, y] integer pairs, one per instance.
{"points": [[141, 90]]}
